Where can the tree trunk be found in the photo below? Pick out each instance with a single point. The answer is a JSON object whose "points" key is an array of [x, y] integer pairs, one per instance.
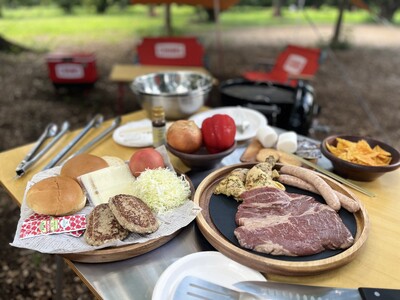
{"points": [[168, 22], [101, 6], [336, 36], [211, 16], [277, 8], [152, 10]]}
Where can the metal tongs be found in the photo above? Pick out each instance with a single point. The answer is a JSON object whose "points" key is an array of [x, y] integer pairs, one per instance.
{"points": [[94, 123], [32, 157], [97, 139], [50, 131]]}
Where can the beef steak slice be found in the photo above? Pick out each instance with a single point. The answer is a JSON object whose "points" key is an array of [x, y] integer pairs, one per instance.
{"points": [[279, 223]]}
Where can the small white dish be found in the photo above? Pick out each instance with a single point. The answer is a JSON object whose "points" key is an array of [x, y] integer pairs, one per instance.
{"points": [[134, 134], [209, 265], [251, 117]]}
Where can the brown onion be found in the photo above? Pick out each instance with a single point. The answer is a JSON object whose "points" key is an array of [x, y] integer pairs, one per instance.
{"points": [[184, 136]]}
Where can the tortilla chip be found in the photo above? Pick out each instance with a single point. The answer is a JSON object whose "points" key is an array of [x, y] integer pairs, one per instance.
{"points": [[360, 153]]}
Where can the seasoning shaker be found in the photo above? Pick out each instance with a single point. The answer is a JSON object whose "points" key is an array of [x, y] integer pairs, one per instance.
{"points": [[158, 125]]}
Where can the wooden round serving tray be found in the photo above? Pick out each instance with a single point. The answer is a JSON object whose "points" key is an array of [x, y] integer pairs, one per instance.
{"points": [[265, 264], [124, 252], [119, 253]]}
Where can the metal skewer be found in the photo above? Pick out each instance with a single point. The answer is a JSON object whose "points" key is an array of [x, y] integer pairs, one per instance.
{"points": [[23, 167], [98, 138], [95, 122]]}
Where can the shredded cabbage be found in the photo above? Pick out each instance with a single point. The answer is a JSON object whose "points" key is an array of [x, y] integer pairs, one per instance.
{"points": [[161, 189]]}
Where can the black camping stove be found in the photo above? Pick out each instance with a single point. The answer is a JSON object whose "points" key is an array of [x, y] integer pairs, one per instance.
{"points": [[290, 108]]}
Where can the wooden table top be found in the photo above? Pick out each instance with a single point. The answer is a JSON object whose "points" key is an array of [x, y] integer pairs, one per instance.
{"points": [[10, 159], [377, 265]]}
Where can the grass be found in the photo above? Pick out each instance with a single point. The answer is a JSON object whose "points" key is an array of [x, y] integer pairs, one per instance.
{"points": [[47, 26]]}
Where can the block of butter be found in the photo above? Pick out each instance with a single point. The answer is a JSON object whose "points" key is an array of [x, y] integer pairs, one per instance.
{"points": [[102, 184]]}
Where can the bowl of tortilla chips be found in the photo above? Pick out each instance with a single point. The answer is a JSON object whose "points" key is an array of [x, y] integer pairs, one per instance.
{"points": [[360, 158]]}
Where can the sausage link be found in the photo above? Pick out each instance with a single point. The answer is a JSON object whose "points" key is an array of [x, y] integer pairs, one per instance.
{"points": [[320, 185], [346, 202], [296, 182]]}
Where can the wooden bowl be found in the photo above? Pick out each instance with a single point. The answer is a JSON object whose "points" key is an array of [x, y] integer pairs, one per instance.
{"points": [[355, 171], [201, 159]]}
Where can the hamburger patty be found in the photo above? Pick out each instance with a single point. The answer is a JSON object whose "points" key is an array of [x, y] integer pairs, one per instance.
{"points": [[133, 214], [103, 227]]}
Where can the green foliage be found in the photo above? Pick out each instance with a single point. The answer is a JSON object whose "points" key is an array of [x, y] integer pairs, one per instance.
{"points": [[47, 27]]}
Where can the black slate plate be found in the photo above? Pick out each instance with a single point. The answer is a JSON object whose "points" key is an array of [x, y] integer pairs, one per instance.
{"points": [[223, 210]]}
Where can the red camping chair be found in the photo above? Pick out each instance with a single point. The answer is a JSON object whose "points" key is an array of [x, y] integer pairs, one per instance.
{"points": [[161, 51], [293, 64], [170, 51]]}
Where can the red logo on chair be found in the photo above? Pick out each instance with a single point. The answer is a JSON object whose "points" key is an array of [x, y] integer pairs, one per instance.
{"points": [[295, 64], [170, 50]]}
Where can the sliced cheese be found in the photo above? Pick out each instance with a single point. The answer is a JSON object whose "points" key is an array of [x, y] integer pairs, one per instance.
{"points": [[102, 184]]}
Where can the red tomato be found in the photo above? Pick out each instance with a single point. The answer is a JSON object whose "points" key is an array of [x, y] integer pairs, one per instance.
{"points": [[147, 158]]}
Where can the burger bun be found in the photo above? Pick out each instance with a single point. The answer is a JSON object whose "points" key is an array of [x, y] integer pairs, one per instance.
{"points": [[56, 196], [82, 164]]}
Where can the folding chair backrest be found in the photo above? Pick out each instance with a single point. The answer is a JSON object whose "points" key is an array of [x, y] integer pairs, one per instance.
{"points": [[297, 60], [170, 51]]}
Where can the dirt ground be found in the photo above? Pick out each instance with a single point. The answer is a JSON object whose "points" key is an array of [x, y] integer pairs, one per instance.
{"points": [[357, 90]]}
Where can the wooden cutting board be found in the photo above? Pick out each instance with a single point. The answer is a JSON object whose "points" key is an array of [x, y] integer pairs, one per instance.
{"points": [[252, 150], [249, 155], [253, 260], [119, 253]]}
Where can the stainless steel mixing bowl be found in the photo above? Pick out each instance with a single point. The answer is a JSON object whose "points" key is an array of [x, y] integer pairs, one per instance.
{"points": [[181, 93]]}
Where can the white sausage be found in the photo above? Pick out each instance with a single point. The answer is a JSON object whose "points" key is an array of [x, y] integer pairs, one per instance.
{"points": [[320, 185], [346, 202]]}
